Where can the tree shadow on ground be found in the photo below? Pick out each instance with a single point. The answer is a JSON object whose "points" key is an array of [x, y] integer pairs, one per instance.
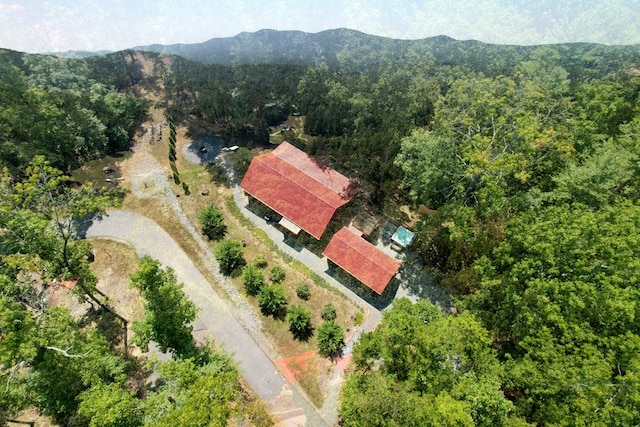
{"points": [[304, 335], [108, 325], [418, 283], [203, 150], [85, 225], [280, 314]]}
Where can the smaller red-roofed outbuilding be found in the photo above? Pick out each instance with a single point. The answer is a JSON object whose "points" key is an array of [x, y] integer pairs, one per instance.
{"points": [[361, 259]]}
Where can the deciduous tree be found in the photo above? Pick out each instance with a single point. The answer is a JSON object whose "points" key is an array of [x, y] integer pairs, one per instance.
{"points": [[299, 319], [168, 311], [330, 336], [272, 299], [442, 363], [252, 279], [212, 223], [229, 255]]}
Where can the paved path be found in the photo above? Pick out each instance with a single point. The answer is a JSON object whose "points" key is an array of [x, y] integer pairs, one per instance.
{"points": [[215, 319]]}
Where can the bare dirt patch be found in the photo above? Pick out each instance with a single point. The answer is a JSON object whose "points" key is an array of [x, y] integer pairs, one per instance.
{"points": [[309, 370], [114, 263], [35, 416]]}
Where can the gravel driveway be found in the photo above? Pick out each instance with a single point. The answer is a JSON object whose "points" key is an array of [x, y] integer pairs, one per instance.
{"points": [[230, 324], [215, 319]]}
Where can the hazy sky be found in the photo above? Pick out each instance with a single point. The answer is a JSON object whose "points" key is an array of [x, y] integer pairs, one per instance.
{"points": [[59, 25]]}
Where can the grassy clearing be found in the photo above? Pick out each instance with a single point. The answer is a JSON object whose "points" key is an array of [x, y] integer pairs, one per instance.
{"points": [[93, 171], [114, 262]]}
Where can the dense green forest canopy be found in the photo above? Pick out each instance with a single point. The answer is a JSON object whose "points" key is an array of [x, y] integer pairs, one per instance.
{"points": [[528, 159], [61, 109]]}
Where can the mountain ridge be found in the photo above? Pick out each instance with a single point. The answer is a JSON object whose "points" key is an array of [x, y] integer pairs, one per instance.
{"points": [[284, 46], [347, 47]]}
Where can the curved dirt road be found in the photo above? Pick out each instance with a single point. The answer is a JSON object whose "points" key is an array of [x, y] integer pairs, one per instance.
{"points": [[215, 319]]}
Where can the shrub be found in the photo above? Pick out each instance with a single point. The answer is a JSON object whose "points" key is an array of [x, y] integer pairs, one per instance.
{"points": [[176, 178], [277, 274], [330, 339], [359, 318], [185, 188], [299, 319], [230, 256], [328, 312], [212, 223], [303, 291], [252, 279], [260, 261], [272, 299]]}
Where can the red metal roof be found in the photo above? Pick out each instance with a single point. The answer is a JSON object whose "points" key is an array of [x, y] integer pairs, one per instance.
{"points": [[362, 260], [292, 184], [328, 177]]}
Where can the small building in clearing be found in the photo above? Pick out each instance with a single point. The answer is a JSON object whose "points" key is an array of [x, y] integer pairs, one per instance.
{"points": [[304, 193], [361, 259]]}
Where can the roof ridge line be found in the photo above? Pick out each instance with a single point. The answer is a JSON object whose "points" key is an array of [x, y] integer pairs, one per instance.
{"points": [[296, 183], [311, 176]]}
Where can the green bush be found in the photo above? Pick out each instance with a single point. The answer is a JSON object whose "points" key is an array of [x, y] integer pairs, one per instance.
{"points": [[299, 319], [176, 178], [277, 274], [260, 261], [272, 300], [328, 312], [217, 174], [241, 159], [212, 223], [302, 290], [330, 339], [252, 279], [185, 188], [229, 255], [359, 318]]}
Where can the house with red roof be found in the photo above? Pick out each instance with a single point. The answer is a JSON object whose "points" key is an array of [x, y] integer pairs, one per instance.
{"points": [[292, 184], [361, 259]]}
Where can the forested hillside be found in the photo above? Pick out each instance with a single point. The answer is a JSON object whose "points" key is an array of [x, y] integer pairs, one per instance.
{"points": [[62, 110], [527, 158]]}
